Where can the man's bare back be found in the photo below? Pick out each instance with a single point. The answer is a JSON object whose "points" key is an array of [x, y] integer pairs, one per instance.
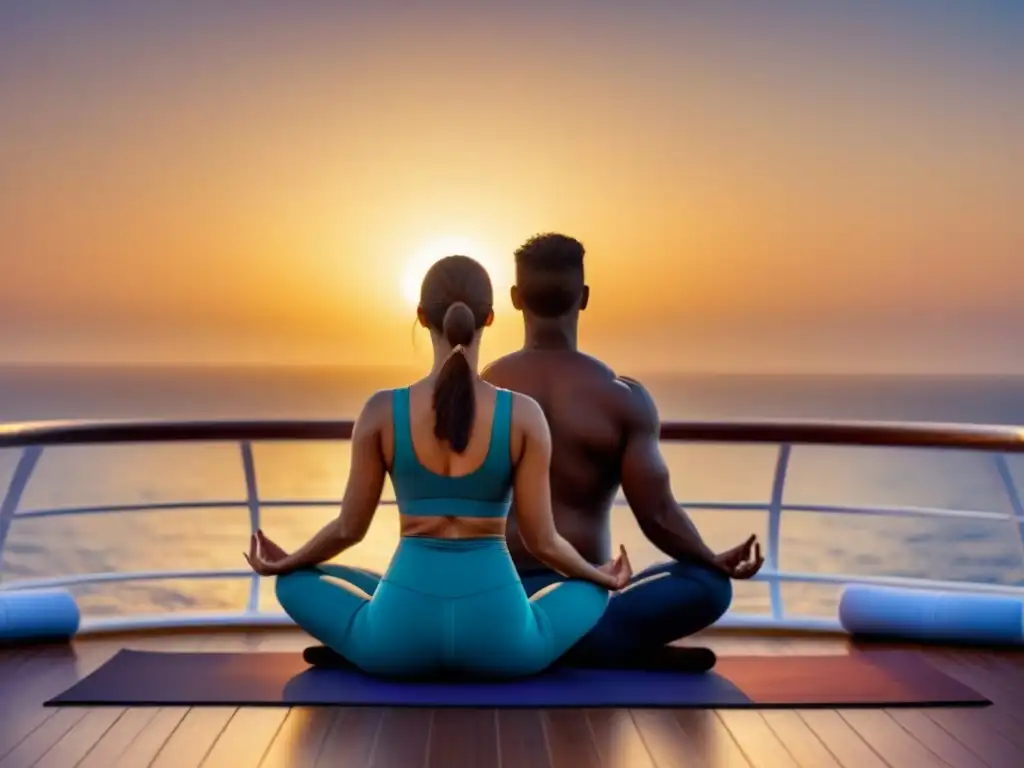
{"points": [[589, 410], [605, 432]]}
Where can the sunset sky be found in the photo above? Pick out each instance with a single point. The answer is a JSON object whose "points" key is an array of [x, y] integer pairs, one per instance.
{"points": [[779, 186]]}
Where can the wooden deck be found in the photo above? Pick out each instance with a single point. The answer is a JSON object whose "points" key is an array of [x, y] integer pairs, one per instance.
{"points": [[31, 735]]}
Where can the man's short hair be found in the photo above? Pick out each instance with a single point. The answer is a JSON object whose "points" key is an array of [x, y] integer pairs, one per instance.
{"points": [[549, 274]]}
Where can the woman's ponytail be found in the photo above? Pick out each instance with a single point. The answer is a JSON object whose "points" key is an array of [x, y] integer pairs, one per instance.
{"points": [[454, 393]]}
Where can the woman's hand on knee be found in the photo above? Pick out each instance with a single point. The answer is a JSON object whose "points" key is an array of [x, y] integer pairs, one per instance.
{"points": [[265, 557], [620, 570]]}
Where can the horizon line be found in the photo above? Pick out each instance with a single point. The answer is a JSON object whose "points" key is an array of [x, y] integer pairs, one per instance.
{"points": [[380, 368]]}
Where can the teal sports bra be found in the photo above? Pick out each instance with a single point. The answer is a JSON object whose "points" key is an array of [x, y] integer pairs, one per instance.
{"points": [[484, 492]]}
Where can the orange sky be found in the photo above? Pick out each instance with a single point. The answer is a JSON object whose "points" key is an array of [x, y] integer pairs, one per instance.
{"points": [[805, 189]]}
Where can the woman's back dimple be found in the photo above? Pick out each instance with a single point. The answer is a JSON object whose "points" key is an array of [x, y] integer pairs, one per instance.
{"points": [[482, 490]]}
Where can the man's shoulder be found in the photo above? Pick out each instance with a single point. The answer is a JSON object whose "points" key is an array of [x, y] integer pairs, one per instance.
{"points": [[575, 374], [639, 407], [532, 364], [635, 388], [512, 359]]}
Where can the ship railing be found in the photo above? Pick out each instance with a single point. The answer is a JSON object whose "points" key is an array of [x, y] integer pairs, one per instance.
{"points": [[34, 438]]}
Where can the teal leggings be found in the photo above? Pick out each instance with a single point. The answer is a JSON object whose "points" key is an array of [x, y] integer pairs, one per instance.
{"points": [[444, 607]]}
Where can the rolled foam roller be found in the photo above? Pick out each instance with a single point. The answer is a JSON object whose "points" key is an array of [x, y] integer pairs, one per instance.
{"points": [[34, 615], [932, 616]]}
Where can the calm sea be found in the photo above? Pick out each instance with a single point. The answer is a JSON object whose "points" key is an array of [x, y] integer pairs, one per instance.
{"points": [[207, 538]]}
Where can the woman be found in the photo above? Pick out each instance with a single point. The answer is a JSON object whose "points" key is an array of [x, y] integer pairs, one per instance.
{"points": [[456, 448]]}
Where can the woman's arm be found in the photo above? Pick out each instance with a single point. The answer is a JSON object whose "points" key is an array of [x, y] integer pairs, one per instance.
{"points": [[366, 475], [533, 499]]}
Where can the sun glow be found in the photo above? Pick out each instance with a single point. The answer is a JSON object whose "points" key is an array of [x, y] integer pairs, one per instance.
{"points": [[416, 268]]}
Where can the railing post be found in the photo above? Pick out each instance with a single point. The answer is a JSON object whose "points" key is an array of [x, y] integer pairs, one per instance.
{"points": [[252, 500], [15, 490], [774, 524], [1016, 504]]}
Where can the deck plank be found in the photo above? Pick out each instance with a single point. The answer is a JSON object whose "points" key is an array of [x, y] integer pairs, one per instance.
{"points": [[710, 739], [42, 676], [898, 747], [840, 739], [352, 738], [926, 731], [463, 738], [800, 741], [666, 742], [521, 739], [112, 744], [41, 739], [74, 745], [403, 739], [760, 745], [21, 710], [975, 732], [193, 738], [246, 738], [617, 739], [998, 717], [569, 739], [143, 749], [301, 738]]}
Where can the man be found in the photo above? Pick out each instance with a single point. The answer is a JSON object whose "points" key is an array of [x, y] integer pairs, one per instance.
{"points": [[605, 430]]}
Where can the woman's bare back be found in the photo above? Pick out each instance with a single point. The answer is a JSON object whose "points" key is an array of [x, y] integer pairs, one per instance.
{"points": [[436, 456]]}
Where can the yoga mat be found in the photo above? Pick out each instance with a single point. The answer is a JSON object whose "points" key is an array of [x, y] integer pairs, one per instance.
{"points": [[872, 679]]}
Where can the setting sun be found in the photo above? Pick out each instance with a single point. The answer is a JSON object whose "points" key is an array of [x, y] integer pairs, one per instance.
{"points": [[416, 268]]}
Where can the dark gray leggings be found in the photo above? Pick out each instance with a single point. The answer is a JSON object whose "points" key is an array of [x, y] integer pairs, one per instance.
{"points": [[664, 603]]}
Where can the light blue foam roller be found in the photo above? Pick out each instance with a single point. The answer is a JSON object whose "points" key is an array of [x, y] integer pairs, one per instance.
{"points": [[34, 615], [932, 616]]}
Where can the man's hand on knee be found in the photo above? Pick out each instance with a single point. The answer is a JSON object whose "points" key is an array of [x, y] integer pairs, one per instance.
{"points": [[743, 561]]}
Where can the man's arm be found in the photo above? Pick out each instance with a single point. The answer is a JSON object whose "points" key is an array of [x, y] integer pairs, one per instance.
{"points": [[647, 486], [532, 491]]}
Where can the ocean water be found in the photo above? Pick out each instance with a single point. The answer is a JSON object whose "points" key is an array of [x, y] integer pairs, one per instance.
{"points": [[209, 538]]}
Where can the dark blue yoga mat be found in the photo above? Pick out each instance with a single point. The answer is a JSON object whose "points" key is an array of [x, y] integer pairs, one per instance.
{"points": [[144, 678]]}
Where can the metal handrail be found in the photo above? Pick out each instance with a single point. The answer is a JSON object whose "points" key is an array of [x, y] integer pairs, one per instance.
{"points": [[33, 438], [976, 437]]}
